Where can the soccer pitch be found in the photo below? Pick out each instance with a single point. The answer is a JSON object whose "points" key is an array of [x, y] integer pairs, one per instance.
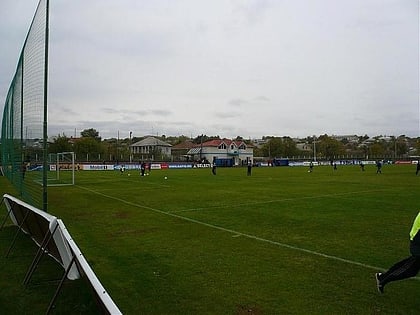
{"points": [[282, 241]]}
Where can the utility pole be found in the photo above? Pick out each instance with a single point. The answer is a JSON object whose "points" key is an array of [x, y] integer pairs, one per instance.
{"points": [[201, 146], [129, 148], [118, 146]]}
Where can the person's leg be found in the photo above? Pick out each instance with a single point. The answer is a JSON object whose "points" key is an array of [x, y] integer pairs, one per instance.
{"points": [[403, 269]]}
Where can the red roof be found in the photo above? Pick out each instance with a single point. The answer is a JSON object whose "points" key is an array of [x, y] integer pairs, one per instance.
{"points": [[188, 144], [228, 142]]}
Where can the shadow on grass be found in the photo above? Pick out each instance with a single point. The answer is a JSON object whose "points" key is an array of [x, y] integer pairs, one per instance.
{"points": [[75, 296]]}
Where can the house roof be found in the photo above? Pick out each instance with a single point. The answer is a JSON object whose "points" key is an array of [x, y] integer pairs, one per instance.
{"points": [[151, 141], [194, 150], [188, 144], [228, 142], [216, 143]]}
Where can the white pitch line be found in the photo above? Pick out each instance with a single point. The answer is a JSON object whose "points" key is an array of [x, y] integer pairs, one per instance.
{"points": [[237, 234], [279, 200]]}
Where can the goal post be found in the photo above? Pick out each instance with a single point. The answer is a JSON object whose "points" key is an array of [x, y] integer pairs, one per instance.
{"points": [[61, 169], [65, 163]]}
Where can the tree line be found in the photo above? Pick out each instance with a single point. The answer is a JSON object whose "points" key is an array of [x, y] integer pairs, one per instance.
{"points": [[327, 147], [90, 146]]}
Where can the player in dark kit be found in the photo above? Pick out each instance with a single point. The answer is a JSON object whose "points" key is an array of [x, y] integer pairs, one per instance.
{"points": [[213, 169], [405, 268], [378, 167]]}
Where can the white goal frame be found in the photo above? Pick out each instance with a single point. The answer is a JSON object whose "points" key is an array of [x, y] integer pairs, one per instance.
{"points": [[68, 158]]}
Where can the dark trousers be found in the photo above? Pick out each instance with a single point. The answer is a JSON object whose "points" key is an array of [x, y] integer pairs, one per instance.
{"points": [[403, 269]]}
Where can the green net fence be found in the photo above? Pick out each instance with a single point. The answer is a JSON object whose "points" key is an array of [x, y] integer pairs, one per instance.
{"points": [[24, 123]]}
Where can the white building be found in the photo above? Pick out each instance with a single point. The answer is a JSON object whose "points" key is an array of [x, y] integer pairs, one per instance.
{"points": [[151, 148], [224, 152]]}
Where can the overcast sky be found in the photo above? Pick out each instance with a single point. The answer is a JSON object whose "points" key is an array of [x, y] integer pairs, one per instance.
{"points": [[231, 68]]}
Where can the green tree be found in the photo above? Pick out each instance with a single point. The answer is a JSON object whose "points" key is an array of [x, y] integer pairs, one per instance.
{"points": [[401, 146], [377, 149], [289, 147], [60, 144], [258, 152], [273, 148], [363, 138], [90, 133], [279, 147], [417, 146], [329, 148], [110, 148], [88, 149]]}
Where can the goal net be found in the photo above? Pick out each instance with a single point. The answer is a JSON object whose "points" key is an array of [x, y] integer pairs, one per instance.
{"points": [[61, 169]]}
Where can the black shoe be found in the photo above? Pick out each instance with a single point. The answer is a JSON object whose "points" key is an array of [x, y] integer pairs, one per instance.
{"points": [[378, 283]]}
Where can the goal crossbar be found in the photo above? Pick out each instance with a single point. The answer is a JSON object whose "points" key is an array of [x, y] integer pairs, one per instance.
{"points": [[64, 167]]}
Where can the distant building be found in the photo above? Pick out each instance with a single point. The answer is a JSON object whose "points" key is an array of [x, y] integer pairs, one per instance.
{"points": [[349, 138], [303, 146], [224, 152], [151, 148], [259, 142], [180, 150]]}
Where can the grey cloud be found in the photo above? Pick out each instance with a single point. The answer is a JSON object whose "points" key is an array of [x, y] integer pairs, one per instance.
{"points": [[262, 98], [144, 112], [226, 67], [160, 112], [238, 102], [227, 114]]}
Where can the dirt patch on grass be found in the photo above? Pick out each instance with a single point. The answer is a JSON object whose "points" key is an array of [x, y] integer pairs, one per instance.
{"points": [[249, 310], [131, 232], [121, 215]]}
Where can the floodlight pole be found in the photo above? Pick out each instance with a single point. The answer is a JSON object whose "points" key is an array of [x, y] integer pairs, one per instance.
{"points": [[129, 147], [117, 149], [201, 147]]}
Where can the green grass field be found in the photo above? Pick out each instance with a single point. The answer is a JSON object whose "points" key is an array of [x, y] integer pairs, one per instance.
{"points": [[282, 241]]}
